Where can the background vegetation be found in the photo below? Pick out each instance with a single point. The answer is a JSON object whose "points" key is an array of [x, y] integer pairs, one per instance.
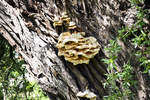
{"points": [[137, 37], [13, 81]]}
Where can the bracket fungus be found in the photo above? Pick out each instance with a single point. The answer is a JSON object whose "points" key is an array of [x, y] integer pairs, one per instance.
{"points": [[72, 25], [87, 94], [65, 18], [75, 47], [57, 22]]}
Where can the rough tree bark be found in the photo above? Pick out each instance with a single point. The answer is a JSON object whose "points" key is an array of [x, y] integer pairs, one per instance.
{"points": [[28, 26]]}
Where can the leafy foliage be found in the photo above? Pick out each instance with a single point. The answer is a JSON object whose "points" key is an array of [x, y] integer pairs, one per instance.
{"points": [[139, 36], [13, 83], [116, 75], [120, 81]]}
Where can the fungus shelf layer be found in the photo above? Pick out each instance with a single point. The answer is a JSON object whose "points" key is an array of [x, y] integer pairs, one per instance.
{"points": [[72, 44], [76, 48]]}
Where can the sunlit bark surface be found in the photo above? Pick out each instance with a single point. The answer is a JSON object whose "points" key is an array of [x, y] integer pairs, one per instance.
{"points": [[28, 26]]}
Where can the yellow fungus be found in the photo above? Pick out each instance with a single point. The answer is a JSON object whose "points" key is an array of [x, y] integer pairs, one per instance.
{"points": [[76, 48]]}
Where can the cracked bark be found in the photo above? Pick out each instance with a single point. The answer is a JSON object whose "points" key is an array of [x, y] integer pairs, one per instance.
{"points": [[27, 25]]}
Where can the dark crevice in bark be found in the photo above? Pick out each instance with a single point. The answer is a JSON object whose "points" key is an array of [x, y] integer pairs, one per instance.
{"points": [[99, 68], [55, 97], [93, 82], [12, 3], [80, 80], [98, 79]]}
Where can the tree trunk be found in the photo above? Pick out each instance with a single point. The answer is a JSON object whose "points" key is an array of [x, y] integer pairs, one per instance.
{"points": [[28, 26]]}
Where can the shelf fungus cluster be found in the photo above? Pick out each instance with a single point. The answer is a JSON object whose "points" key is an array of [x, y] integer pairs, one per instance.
{"points": [[87, 94], [72, 43]]}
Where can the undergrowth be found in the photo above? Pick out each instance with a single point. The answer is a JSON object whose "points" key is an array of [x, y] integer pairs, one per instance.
{"points": [[120, 81]]}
